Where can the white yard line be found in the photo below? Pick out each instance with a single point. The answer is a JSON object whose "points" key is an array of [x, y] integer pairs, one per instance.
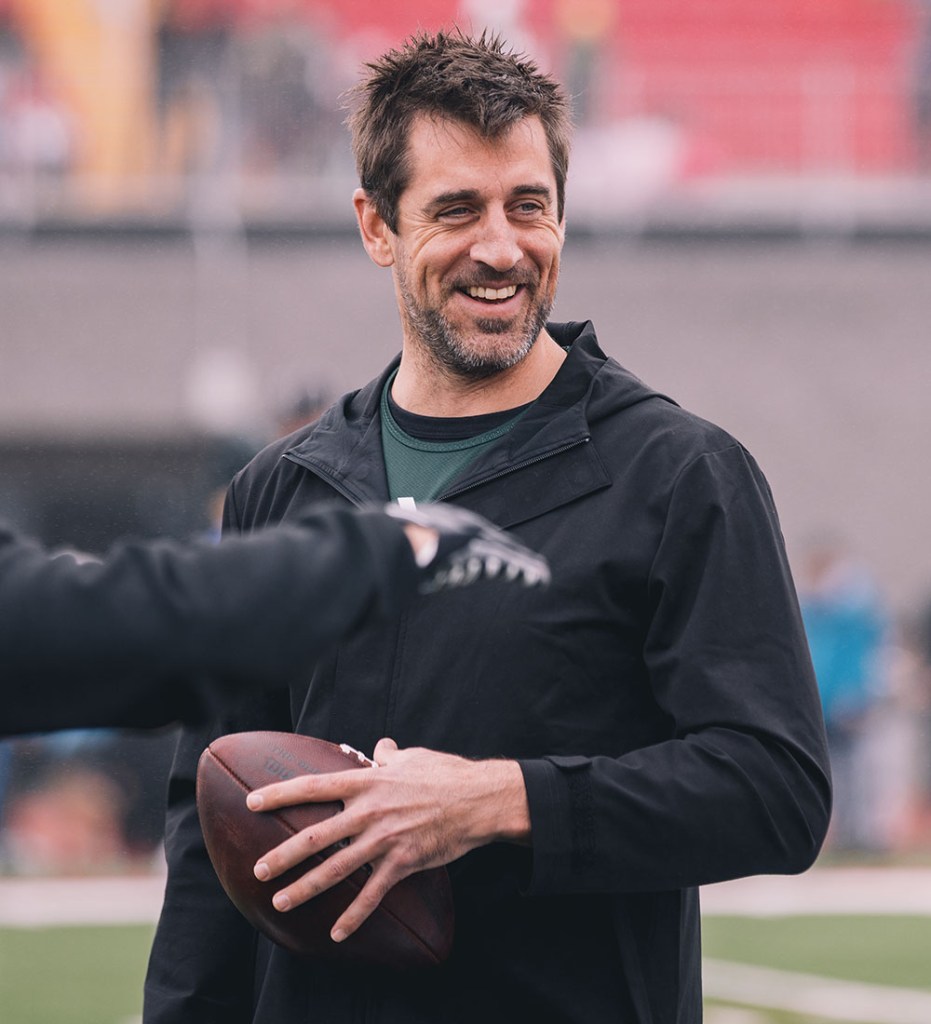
{"points": [[734, 1015], [824, 891], [43, 902], [826, 998], [48, 902]]}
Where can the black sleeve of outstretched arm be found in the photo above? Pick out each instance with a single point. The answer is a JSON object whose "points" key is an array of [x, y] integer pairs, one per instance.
{"points": [[160, 632]]}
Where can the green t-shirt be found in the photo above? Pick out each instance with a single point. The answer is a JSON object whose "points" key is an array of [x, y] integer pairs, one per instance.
{"points": [[425, 455]]}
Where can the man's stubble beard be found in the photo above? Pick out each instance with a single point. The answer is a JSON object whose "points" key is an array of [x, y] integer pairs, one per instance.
{"points": [[447, 346]]}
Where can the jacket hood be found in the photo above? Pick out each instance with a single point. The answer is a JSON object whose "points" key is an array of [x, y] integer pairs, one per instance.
{"points": [[588, 372]]}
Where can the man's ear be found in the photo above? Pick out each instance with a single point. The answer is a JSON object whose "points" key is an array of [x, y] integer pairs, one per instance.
{"points": [[376, 235]]}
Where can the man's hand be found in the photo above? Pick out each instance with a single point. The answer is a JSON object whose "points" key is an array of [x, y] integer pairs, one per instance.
{"points": [[463, 548], [416, 809]]}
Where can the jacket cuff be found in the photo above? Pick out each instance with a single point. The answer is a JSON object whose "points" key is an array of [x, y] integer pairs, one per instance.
{"points": [[559, 797]]}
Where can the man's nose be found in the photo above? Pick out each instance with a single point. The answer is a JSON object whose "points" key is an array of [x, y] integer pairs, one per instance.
{"points": [[496, 243]]}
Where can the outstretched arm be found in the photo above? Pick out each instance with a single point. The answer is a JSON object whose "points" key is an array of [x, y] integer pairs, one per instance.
{"points": [[161, 632]]}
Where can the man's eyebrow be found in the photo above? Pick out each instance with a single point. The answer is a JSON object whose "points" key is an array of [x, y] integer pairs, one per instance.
{"points": [[469, 195], [543, 191], [463, 195]]}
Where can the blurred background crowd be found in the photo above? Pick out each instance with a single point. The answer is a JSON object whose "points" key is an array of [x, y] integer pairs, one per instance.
{"points": [[230, 107], [750, 228]]}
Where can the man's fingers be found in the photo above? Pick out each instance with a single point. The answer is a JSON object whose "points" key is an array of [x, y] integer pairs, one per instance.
{"points": [[364, 905], [298, 848], [305, 789], [337, 867], [384, 748], [390, 825]]}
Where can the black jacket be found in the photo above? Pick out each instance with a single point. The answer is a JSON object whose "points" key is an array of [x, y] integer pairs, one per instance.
{"points": [[658, 695], [159, 632]]}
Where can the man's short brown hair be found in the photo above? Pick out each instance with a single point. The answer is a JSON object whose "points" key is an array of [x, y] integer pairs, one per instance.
{"points": [[449, 75]]}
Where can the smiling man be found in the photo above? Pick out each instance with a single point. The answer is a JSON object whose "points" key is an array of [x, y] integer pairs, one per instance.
{"points": [[582, 758], [475, 267]]}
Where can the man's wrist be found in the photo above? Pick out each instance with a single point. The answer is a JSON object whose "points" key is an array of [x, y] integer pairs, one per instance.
{"points": [[505, 803]]}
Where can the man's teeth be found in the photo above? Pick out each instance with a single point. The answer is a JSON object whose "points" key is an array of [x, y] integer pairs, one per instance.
{"points": [[495, 294]]}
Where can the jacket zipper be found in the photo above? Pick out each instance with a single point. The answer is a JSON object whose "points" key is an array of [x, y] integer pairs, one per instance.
{"points": [[402, 624]]}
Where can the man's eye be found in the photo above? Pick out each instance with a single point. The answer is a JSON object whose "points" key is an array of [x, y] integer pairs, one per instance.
{"points": [[456, 211], [529, 208]]}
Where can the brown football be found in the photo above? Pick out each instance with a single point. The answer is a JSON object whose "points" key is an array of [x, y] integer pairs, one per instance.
{"points": [[412, 926]]}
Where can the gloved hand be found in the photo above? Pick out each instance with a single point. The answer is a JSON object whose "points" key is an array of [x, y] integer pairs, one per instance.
{"points": [[469, 548]]}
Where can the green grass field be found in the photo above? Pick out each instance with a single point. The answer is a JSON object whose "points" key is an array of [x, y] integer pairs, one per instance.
{"points": [[72, 975], [881, 950], [93, 975], [878, 950]]}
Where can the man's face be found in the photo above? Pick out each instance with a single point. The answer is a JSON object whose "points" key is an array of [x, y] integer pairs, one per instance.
{"points": [[476, 256]]}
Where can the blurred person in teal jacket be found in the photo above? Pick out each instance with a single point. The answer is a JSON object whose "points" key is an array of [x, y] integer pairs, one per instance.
{"points": [[847, 628]]}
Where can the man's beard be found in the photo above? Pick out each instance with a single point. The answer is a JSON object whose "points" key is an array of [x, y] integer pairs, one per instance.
{"points": [[447, 344]]}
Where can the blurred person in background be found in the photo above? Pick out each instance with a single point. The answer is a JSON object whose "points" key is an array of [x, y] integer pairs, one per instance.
{"points": [[12, 56], [290, 88], [35, 131], [921, 86], [919, 640], [847, 628], [195, 87], [302, 410], [586, 27], [12, 63]]}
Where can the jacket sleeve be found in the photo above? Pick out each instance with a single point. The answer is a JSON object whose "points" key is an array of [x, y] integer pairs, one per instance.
{"points": [[742, 784], [162, 632]]}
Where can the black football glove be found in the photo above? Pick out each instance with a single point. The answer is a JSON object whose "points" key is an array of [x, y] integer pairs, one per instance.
{"points": [[469, 549]]}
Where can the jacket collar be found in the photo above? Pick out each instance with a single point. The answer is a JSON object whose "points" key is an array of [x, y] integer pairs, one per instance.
{"points": [[345, 445]]}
